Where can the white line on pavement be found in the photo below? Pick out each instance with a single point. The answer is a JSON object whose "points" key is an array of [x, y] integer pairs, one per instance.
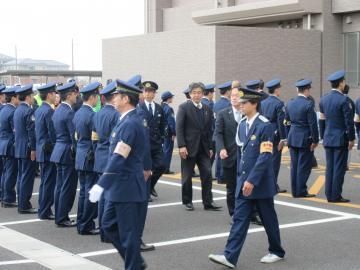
{"points": [[74, 215], [44, 253], [219, 235], [16, 262], [294, 205]]}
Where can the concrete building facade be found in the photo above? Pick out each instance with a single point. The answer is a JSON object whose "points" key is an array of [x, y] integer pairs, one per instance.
{"points": [[218, 40]]}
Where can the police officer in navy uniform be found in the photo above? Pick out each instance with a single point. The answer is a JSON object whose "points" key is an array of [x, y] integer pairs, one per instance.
{"points": [[353, 111], [104, 123], [222, 103], [154, 115], [125, 198], [256, 183], [357, 120], [45, 141], [63, 156], [274, 110], [170, 130], [338, 134], [302, 138], [2, 99], [7, 148], [257, 85], [85, 156], [208, 98], [25, 145], [136, 81]]}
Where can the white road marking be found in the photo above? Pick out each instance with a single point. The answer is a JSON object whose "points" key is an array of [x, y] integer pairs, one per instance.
{"points": [[44, 253], [294, 205], [9, 223], [16, 262], [219, 235]]}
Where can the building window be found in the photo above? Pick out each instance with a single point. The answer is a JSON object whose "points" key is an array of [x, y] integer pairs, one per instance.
{"points": [[352, 61]]}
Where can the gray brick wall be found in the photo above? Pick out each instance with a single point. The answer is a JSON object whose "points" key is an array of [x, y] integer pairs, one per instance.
{"points": [[172, 59], [248, 53]]}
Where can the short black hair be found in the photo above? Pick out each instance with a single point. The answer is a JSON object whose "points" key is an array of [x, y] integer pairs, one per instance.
{"points": [[109, 97], [86, 96], [43, 94], [261, 84], [257, 102], [271, 90], [335, 84], [224, 90], [8, 98], [133, 99], [22, 97], [63, 96]]}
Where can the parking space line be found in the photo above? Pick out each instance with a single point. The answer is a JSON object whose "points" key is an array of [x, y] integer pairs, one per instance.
{"points": [[44, 253], [9, 223], [318, 184], [220, 235]]}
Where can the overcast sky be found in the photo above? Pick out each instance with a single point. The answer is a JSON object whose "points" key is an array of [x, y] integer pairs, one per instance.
{"points": [[43, 29]]}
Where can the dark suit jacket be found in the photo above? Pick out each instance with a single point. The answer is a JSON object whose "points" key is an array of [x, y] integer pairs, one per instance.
{"points": [[225, 133], [191, 133]]}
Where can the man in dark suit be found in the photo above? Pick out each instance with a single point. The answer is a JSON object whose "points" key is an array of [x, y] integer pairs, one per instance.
{"points": [[193, 129], [225, 132]]}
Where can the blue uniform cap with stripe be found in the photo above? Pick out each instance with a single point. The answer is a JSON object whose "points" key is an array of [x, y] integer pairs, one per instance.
{"points": [[109, 89], [186, 90], [91, 87], [166, 95], [303, 83], [2, 87], [253, 84], [126, 88], [336, 76], [225, 86], [149, 85], [67, 87], [10, 90], [47, 87], [246, 94], [274, 83], [24, 89], [135, 80]]}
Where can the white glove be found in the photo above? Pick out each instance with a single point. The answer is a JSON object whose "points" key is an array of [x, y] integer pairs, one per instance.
{"points": [[95, 193]]}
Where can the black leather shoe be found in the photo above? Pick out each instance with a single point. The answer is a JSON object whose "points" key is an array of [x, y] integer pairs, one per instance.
{"points": [[153, 192], [189, 207], [212, 207], [91, 232], [27, 211], [169, 172], [281, 190], [256, 220], [9, 204], [67, 224], [144, 247], [51, 217], [308, 195], [341, 200]]}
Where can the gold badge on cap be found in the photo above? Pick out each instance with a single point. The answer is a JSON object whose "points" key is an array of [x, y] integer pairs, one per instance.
{"points": [[148, 85], [253, 137], [241, 93]]}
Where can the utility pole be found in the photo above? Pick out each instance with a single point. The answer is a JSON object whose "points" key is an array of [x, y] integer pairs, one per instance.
{"points": [[72, 54]]}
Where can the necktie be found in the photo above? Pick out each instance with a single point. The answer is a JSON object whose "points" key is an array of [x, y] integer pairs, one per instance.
{"points": [[150, 109], [247, 128]]}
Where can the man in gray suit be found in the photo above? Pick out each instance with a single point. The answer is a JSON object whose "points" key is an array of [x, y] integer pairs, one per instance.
{"points": [[193, 128]]}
